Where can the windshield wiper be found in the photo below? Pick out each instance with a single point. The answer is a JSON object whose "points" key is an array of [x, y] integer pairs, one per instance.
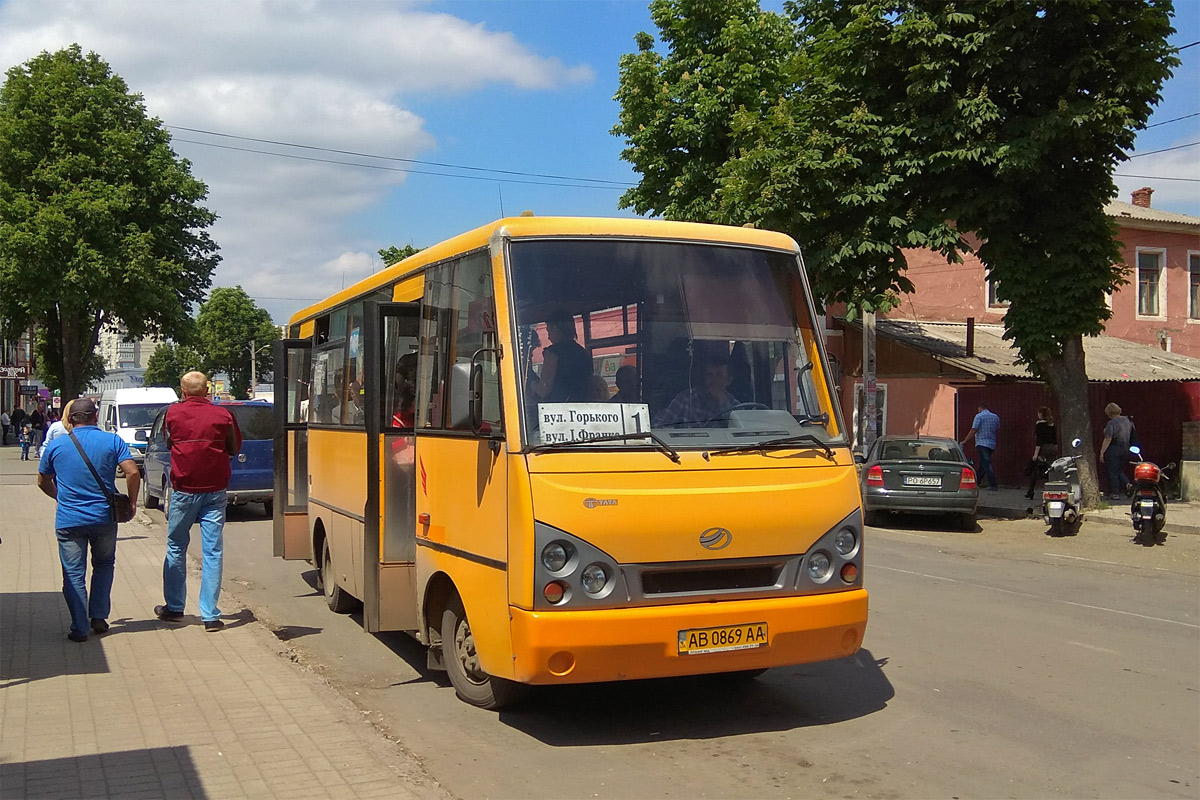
{"points": [[666, 449], [769, 443]]}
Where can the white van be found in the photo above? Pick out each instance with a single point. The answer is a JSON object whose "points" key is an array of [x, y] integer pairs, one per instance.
{"points": [[129, 413]]}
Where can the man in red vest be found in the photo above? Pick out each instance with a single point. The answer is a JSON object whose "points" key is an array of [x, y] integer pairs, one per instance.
{"points": [[203, 437]]}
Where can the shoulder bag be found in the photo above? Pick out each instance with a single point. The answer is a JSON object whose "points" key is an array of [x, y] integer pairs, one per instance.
{"points": [[119, 504]]}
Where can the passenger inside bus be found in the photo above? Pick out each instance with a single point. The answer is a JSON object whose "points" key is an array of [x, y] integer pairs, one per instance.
{"points": [[627, 385], [404, 413], [705, 405], [600, 391], [566, 374]]}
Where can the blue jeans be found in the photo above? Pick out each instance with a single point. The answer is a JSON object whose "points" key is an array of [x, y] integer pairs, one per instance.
{"points": [[72, 552], [207, 508], [985, 466]]}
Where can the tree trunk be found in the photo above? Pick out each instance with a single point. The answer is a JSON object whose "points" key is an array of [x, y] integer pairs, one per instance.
{"points": [[1067, 376], [77, 335]]}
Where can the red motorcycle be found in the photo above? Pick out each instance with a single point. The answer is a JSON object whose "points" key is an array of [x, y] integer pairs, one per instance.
{"points": [[1149, 508]]}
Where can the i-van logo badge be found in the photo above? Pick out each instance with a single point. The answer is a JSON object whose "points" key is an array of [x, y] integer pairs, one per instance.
{"points": [[592, 502], [716, 538]]}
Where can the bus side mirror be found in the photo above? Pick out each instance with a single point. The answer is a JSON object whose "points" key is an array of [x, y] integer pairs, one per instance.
{"points": [[466, 396]]}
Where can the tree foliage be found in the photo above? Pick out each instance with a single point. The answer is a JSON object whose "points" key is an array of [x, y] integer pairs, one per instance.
{"points": [[169, 362], [228, 326], [392, 255], [100, 222], [886, 124]]}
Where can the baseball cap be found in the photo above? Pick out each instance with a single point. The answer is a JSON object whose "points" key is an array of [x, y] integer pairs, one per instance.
{"points": [[83, 407]]}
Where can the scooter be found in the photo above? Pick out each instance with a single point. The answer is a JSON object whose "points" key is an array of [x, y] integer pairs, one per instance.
{"points": [[1149, 508], [1062, 495]]}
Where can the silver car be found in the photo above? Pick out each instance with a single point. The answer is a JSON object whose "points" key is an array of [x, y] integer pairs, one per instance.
{"points": [[918, 475]]}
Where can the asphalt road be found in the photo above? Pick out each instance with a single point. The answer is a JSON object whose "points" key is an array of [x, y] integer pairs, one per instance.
{"points": [[996, 664]]}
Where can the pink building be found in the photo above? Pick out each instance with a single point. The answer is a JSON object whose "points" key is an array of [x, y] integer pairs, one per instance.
{"points": [[933, 368], [1160, 305]]}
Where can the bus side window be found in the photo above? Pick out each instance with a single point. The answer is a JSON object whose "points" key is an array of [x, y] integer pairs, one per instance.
{"points": [[436, 317], [474, 309]]}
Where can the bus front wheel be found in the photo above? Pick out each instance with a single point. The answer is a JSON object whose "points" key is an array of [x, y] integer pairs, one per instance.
{"points": [[470, 682]]}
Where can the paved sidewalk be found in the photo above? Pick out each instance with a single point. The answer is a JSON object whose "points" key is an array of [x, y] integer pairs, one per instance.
{"points": [[1010, 503], [157, 710]]}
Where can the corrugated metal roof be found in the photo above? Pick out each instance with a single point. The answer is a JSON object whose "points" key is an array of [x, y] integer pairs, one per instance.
{"points": [[1119, 211], [1108, 358]]}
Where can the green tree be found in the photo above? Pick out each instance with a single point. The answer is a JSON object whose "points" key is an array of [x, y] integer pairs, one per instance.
{"points": [[228, 326], [169, 362], [100, 222], [1006, 118], [393, 254]]}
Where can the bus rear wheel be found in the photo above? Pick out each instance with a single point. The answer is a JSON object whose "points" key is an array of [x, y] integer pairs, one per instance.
{"points": [[470, 682], [338, 600]]}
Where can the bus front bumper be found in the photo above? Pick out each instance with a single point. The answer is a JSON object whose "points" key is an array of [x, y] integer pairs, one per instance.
{"points": [[633, 643]]}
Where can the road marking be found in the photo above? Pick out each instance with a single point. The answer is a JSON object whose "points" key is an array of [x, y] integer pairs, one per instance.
{"points": [[1039, 598], [1094, 647], [906, 533], [1097, 561], [1081, 558]]}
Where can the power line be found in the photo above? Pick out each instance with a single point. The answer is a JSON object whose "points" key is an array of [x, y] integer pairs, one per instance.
{"points": [[1186, 46], [1177, 119], [394, 169], [391, 158], [1164, 150], [1156, 177]]}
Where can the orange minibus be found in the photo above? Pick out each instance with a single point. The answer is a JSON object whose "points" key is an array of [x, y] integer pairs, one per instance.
{"points": [[564, 450]]}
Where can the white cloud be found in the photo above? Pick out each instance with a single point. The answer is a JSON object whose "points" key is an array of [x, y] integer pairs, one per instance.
{"points": [[327, 74]]}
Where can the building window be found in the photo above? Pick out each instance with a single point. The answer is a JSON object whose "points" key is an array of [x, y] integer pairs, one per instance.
{"points": [[994, 300], [1149, 283], [1193, 285]]}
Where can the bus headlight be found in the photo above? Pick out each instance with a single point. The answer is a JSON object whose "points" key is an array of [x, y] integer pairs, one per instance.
{"points": [[594, 578], [555, 556], [845, 541], [819, 567]]}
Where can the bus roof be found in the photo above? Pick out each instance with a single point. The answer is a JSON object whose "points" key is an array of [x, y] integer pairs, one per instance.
{"points": [[532, 227]]}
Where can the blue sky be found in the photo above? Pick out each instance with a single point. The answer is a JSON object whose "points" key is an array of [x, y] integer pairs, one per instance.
{"points": [[525, 86]]}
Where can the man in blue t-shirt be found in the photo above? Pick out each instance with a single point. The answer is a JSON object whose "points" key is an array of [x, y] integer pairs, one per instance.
{"points": [[84, 516]]}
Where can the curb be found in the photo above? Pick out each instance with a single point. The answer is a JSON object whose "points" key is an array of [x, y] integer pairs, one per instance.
{"points": [[1002, 512]]}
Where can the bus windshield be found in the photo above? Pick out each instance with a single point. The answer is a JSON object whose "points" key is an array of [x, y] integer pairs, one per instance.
{"points": [[702, 345]]}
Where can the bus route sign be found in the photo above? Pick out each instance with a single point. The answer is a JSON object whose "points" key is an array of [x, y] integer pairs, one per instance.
{"points": [[581, 422]]}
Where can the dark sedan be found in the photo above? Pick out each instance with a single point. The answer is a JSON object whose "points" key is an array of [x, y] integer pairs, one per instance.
{"points": [[918, 475]]}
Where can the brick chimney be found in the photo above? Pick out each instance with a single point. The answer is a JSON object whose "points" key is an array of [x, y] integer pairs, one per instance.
{"points": [[1141, 197]]}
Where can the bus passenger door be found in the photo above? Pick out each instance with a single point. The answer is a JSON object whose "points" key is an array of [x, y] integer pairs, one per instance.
{"points": [[390, 349], [290, 515]]}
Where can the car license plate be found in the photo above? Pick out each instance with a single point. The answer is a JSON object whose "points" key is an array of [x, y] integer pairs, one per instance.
{"points": [[715, 640], [922, 480]]}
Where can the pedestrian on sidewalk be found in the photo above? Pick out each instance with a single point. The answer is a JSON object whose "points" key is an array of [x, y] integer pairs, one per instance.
{"points": [[5, 421], [1114, 450], [38, 420], [1045, 448], [202, 437], [84, 517], [983, 431], [16, 419], [60, 427], [25, 439]]}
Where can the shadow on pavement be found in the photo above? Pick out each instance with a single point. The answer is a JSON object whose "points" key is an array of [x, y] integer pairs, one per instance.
{"points": [[156, 772], [33, 628], [704, 707]]}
